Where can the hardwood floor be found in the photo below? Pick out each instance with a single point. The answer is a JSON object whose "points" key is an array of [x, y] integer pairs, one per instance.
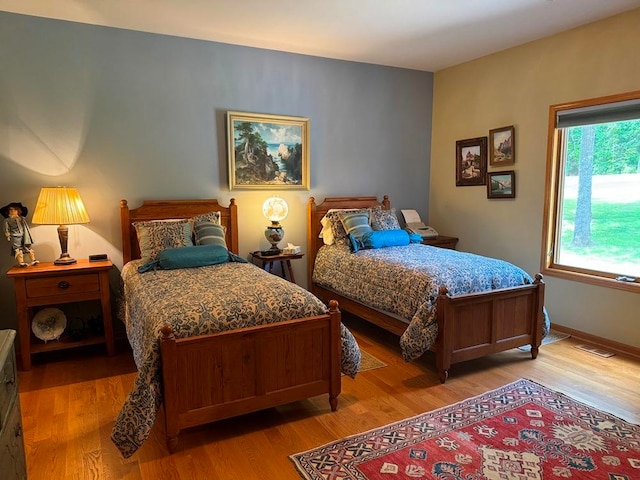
{"points": [[70, 399]]}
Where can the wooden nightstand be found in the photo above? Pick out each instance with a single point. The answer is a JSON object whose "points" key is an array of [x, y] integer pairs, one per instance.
{"points": [[48, 284], [284, 259], [441, 241]]}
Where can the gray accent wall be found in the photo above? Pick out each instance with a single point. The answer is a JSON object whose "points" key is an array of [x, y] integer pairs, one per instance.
{"points": [[129, 115]]}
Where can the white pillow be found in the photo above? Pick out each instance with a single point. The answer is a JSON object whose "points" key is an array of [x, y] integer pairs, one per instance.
{"points": [[326, 234]]}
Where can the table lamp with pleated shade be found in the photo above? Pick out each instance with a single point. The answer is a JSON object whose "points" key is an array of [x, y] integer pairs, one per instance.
{"points": [[60, 206]]}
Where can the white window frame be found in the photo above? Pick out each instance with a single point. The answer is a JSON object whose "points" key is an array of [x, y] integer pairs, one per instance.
{"points": [[554, 188]]}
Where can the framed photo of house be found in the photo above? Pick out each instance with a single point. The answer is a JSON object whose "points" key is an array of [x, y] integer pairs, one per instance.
{"points": [[501, 184], [471, 161], [267, 152], [502, 146]]}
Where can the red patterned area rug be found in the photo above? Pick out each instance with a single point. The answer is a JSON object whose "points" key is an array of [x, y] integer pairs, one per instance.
{"points": [[522, 431]]}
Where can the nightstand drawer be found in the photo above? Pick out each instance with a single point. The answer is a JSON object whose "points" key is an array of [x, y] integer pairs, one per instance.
{"points": [[8, 388], [62, 285]]}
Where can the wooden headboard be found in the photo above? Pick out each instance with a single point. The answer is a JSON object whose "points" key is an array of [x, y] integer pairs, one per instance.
{"points": [[166, 209], [315, 214]]}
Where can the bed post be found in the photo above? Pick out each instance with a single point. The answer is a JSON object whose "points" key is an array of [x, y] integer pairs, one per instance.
{"points": [[536, 338], [125, 231], [335, 378], [233, 219], [169, 374], [311, 242], [443, 345]]}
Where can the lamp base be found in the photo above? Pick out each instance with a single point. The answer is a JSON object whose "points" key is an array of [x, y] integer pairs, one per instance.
{"points": [[274, 234], [65, 261], [65, 258]]}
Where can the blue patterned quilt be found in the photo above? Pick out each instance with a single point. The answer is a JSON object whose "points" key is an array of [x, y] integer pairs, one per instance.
{"points": [[197, 301], [404, 282]]}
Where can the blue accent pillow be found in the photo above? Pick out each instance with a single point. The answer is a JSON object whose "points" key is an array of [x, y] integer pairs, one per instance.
{"points": [[188, 257], [383, 238], [415, 238]]}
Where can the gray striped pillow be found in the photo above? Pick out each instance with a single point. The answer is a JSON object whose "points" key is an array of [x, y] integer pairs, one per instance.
{"points": [[209, 233], [356, 223]]}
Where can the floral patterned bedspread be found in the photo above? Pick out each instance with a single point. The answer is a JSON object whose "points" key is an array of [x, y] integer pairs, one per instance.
{"points": [[198, 301], [404, 281]]}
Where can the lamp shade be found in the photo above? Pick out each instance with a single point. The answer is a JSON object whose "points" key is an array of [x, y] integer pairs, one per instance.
{"points": [[275, 209], [59, 206]]}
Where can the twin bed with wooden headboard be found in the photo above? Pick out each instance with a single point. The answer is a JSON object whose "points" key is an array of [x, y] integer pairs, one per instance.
{"points": [[460, 306], [206, 346]]}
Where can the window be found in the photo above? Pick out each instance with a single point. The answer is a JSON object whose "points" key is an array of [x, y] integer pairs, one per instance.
{"points": [[592, 208]]}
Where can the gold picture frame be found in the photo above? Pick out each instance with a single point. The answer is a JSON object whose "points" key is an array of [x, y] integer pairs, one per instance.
{"points": [[267, 152]]}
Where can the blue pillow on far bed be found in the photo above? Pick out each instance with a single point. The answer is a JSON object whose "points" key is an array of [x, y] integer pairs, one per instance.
{"points": [[383, 238], [190, 257]]}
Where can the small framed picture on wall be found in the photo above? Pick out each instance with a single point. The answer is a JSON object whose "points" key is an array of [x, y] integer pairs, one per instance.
{"points": [[502, 146], [501, 184], [471, 161]]}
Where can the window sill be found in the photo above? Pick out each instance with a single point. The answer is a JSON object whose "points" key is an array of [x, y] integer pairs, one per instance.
{"points": [[592, 279]]}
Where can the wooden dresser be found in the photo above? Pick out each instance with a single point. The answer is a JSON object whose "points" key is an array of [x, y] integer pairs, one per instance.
{"points": [[12, 460]]}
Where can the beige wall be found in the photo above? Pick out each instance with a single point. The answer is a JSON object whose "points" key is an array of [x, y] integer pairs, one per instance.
{"points": [[516, 87]]}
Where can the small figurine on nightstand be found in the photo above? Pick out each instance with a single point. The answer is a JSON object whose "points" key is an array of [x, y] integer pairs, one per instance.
{"points": [[17, 232]]}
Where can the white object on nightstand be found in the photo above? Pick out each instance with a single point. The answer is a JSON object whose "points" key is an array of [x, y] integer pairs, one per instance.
{"points": [[291, 249]]}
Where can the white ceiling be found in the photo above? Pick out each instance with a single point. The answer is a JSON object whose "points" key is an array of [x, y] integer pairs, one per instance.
{"points": [[419, 34]]}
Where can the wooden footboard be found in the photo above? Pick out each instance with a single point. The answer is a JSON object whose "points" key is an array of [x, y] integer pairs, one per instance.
{"points": [[474, 325], [211, 377], [469, 326]]}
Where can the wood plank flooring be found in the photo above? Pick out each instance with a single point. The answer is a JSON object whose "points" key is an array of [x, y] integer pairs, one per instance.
{"points": [[70, 400]]}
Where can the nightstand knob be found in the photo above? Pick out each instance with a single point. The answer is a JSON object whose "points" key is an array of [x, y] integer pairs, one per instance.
{"points": [[64, 285]]}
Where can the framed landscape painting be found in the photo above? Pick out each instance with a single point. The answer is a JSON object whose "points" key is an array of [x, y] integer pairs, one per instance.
{"points": [[502, 146], [471, 161], [267, 151], [501, 184]]}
